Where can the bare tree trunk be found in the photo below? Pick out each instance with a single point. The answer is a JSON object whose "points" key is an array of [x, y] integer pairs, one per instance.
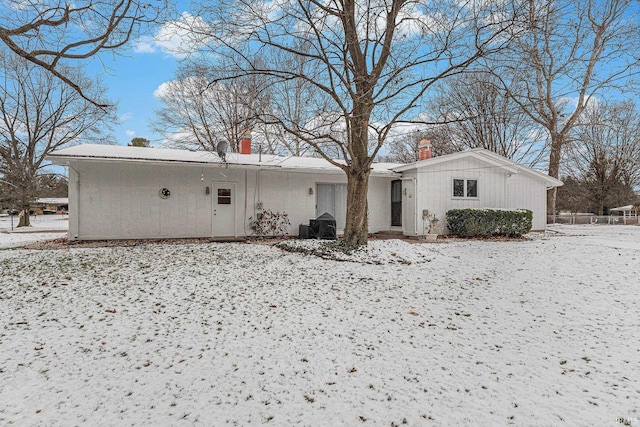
{"points": [[356, 231], [557, 141], [25, 220]]}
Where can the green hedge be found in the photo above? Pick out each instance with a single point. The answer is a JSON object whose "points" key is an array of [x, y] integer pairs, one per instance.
{"points": [[489, 222]]}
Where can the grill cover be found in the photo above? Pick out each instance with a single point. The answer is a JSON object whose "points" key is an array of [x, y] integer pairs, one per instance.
{"points": [[324, 226]]}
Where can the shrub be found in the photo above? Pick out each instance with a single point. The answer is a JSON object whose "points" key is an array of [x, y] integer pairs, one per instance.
{"points": [[489, 222], [271, 224]]}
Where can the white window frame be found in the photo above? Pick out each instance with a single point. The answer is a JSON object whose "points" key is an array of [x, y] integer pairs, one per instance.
{"points": [[465, 188]]}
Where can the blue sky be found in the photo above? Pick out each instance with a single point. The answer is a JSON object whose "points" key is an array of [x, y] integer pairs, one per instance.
{"points": [[131, 79], [132, 76]]}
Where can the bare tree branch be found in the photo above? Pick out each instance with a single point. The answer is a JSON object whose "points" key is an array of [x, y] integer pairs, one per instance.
{"points": [[371, 62], [46, 33], [568, 53], [39, 114]]}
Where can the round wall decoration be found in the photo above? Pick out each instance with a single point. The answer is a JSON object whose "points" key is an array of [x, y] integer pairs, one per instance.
{"points": [[164, 193]]}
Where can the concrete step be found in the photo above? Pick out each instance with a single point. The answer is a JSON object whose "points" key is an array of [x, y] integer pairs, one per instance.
{"points": [[389, 232]]}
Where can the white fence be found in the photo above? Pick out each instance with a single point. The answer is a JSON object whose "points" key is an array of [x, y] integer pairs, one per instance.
{"points": [[593, 219]]}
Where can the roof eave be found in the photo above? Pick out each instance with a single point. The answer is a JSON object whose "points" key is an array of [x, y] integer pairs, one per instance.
{"points": [[65, 160]]}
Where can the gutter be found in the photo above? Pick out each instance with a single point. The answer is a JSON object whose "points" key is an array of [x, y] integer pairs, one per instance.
{"points": [[77, 221]]}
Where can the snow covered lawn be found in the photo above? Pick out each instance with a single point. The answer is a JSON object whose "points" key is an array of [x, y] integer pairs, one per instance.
{"points": [[43, 227], [538, 332]]}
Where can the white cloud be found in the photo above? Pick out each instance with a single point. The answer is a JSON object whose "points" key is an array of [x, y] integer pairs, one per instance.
{"points": [[145, 45], [126, 116], [130, 133], [178, 38], [162, 90]]}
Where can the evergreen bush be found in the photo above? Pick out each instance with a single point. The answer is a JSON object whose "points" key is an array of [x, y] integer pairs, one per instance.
{"points": [[489, 222]]}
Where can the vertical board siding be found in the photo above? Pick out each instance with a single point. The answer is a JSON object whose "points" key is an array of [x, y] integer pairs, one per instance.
{"points": [[121, 201], [529, 193], [497, 188], [435, 185]]}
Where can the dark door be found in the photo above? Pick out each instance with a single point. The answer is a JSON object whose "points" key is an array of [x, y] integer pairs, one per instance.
{"points": [[396, 203]]}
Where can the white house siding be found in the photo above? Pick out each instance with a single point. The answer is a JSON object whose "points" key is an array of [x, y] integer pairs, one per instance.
{"points": [[119, 200], [525, 192], [289, 192], [435, 189], [296, 193], [379, 199]]}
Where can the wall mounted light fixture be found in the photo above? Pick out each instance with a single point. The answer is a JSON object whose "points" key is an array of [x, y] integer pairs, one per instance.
{"points": [[310, 190], [164, 193], [207, 191]]}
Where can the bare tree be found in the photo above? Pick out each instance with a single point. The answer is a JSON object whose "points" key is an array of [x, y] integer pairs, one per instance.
{"points": [[290, 98], [372, 61], [52, 185], [40, 113], [605, 153], [404, 147], [567, 53], [479, 114], [200, 110], [47, 33], [219, 103]]}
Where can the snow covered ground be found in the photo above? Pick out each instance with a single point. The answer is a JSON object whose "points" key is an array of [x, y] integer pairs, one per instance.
{"points": [[43, 227], [537, 332]]}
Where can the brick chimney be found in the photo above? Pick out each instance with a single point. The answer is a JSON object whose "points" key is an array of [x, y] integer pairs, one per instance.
{"points": [[245, 142], [424, 149]]}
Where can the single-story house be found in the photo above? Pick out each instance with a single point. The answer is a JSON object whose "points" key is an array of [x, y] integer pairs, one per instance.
{"points": [[118, 192], [51, 205], [628, 213]]}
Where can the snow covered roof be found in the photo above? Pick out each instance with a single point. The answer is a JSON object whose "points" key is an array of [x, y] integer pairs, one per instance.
{"points": [[53, 200], [628, 208], [485, 156], [165, 155]]}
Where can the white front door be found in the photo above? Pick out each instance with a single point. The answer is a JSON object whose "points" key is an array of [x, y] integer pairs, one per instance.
{"points": [[224, 209]]}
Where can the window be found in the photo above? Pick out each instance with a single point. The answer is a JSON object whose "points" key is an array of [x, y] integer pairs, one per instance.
{"points": [[458, 188], [467, 188], [224, 196], [472, 188]]}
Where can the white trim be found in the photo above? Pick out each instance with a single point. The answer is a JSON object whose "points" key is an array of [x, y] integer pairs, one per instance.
{"points": [[485, 156], [119, 153], [465, 188]]}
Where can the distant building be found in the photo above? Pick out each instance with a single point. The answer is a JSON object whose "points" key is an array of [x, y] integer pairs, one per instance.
{"points": [[628, 214], [51, 205]]}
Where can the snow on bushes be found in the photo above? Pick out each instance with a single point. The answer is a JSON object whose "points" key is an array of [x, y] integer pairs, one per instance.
{"points": [[489, 222]]}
